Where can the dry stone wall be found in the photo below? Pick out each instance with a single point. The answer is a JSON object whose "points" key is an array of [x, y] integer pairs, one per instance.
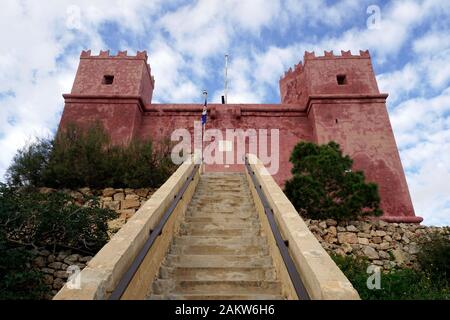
{"points": [[54, 265], [387, 245]]}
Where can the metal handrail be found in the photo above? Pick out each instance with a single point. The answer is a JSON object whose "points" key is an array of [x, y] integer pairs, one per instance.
{"points": [[154, 234], [282, 245]]}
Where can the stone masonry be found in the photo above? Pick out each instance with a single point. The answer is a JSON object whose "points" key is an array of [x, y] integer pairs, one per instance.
{"points": [[54, 264], [323, 98], [387, 245]]}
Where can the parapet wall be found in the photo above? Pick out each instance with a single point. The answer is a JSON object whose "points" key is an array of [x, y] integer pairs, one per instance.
{"points": [[321, 276], [103, 273], [140, 55]]}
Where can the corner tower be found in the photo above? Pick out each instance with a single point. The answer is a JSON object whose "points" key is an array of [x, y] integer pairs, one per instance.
{"points": [[343, 104], [112, 90]]}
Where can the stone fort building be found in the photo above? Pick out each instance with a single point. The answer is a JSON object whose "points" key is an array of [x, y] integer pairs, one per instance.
{"points": [[330, 97]]}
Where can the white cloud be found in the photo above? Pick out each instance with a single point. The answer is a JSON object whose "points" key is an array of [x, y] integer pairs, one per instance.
{"points": [[399, 83], [422, 130]]}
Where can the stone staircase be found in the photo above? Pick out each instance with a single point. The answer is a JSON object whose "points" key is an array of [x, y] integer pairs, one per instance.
{"points": [[220, 252]]}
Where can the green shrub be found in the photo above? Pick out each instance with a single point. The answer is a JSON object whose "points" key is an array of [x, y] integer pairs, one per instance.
{"points": [[52, 219], [30, 163], [85, 158], [17, 279], [323, 185], [434, 256], [31, 220], [397, 284]]}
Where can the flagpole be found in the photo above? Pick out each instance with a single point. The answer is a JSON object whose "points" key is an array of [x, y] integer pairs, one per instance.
{"points": [[205, 95], [226, 79]]}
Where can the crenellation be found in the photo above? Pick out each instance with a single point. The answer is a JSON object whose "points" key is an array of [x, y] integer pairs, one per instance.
{"points": [[298, 68], [103, 54], [309, 55], [122, 54], [364, 54], [347, 53], [85, 54]]}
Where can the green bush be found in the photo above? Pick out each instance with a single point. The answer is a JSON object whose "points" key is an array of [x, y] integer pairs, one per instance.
{"points": [[30, 163], [323, 185], [32, 220], [52, 219], [86, 158], [397, 284], [434, 256], [17, 279]]}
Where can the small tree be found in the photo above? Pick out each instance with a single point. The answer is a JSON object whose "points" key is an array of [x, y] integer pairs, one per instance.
{"points": [[324, 186], [434, 256], [86, 157], [30, 163]]}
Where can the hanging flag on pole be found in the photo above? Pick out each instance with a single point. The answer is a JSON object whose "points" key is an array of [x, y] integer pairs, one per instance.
{"points": [[204, 116], [205, 108]]}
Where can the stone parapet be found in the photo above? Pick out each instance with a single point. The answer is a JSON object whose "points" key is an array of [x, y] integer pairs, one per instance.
{"points": [[107, 267], [321, 276]]}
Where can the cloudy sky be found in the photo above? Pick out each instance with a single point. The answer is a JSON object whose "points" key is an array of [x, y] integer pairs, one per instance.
{"points": [[186, 41]]}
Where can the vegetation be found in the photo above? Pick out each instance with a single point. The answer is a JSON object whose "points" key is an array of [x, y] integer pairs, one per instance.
{"points": [[86, 158], [429, 281], [17, 279], [324, 186], [32, 220], [434, 256]]}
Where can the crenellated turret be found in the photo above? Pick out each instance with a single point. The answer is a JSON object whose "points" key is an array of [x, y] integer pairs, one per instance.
{"points": [[328, 74], [120, 74]]}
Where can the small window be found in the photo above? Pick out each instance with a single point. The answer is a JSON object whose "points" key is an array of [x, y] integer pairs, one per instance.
{"points": [[108, 79], [341, 79]]}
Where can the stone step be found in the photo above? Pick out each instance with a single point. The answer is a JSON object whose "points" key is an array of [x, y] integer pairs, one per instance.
{"points": [[221, 219], [219, 273], [234, 182], [220, 210], [214, 240], [218, 231], [220, 225], [224, 249], [219, 252], [216, 296], [214, 200], [228, 189], [225, 261], [206, 287]]}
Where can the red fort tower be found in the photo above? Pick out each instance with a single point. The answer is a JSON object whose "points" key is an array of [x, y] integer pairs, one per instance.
{"points": [[324, 98]]}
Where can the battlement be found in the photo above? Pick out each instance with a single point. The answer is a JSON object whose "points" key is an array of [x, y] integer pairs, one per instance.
{"points": [[117, 75], [140, 55], [298, 68], [328, 74]]}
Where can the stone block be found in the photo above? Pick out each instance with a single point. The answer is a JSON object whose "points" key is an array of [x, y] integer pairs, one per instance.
{"points": [[129, 204], [347, 237]]}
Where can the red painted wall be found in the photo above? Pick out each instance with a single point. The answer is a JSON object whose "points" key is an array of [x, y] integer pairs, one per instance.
{"points": [[314, 108]]}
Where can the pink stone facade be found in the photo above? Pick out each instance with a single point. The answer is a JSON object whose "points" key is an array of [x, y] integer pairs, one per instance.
{"points": [[324, 98]]}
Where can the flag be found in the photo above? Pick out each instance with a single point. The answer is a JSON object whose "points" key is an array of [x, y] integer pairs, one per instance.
{"points": [[204, 113]]}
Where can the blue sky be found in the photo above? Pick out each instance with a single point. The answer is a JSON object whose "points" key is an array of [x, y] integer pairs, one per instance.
{"points": [[186, 42]]}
